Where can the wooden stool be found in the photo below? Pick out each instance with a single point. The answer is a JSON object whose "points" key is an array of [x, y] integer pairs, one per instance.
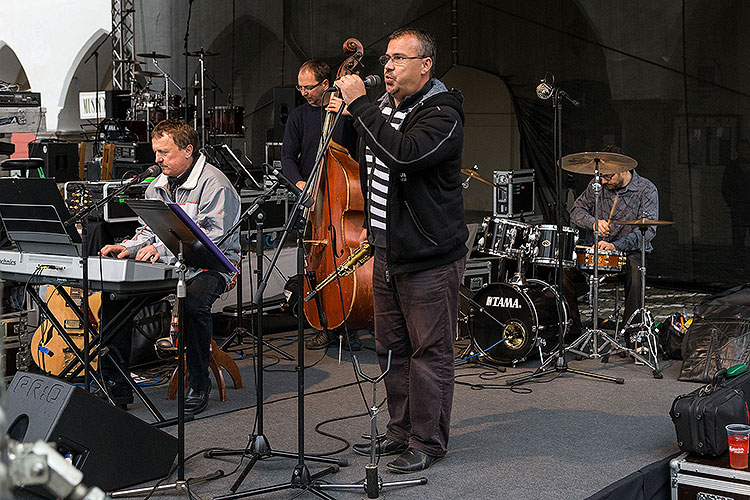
{"points": [[218, 360]]}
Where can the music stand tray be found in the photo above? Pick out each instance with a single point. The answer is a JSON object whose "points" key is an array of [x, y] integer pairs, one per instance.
{"points": [[172, 225]]}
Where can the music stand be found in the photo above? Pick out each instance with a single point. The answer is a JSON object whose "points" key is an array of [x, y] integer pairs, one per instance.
{"points": [[182, 236]]}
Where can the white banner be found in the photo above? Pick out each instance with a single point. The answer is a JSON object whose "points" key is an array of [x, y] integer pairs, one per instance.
{"points": [[87, 105]]}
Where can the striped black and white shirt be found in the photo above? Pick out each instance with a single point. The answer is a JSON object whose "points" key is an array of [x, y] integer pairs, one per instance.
{"points": [[377, 177]]}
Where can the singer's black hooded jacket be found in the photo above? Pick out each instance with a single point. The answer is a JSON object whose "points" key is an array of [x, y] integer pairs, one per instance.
{"points": [[425, 215]]}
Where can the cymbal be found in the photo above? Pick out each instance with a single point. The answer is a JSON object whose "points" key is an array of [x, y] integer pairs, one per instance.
{"points": [[148, 73], [198, 53], [153, 55], [644, 222], [129, 61], [608, 163], [474, 174]]}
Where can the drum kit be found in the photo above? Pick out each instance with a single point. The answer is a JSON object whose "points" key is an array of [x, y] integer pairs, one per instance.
{"points": [[508, 320], [149, 106]]}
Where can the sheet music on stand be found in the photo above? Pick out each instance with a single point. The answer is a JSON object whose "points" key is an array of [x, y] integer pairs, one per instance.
{"points": [[172, 225]]}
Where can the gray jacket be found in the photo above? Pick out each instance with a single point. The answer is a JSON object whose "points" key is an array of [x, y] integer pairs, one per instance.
{"points": [[209, 199]]}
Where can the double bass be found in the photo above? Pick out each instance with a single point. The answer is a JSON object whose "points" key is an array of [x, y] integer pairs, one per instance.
{"points": [[336, 219]]}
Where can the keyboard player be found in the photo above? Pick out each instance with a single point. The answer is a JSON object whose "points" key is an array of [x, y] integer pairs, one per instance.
{"points": [[205, 193]]}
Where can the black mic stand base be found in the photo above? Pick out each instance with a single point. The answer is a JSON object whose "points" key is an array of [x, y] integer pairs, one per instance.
{"points": [[301, 479], [176, 487], [561, 366], [240, 333], [260, 449]]}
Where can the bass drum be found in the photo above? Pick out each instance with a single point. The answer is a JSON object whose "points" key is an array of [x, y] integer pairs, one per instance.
{"points": [[512, 318]]}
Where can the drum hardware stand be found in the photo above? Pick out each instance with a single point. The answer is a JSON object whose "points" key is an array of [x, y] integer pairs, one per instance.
{"points": [[646, 324], [518, 278], [473, 350], [167, 79], [301, 476], [373, 485], [560, 364]]}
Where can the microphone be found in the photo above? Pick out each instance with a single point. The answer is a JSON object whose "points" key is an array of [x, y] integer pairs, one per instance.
{"points": [[544, 90], [151, 171], [297, 192], [370, 81]]}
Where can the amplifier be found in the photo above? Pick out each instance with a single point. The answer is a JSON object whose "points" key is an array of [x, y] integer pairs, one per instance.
{"points": [[20, 99], [60, 158], [22, 119], [276, 208], [79, 195], [515, 196], [133, 152]]}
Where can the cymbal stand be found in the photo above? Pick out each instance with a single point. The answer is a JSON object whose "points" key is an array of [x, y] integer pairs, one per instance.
{"points": [[646, 324], [591, 337], [203, 98], [167, 79], [561, 365], [372, 484]]}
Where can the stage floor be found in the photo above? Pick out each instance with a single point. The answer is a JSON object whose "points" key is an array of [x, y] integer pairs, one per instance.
{"points": [[563, 436]]}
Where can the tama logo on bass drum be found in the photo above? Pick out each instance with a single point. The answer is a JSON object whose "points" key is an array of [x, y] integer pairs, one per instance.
{"points": [[504, 302]]}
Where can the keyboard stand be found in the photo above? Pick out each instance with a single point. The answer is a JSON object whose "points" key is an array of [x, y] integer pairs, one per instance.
{"points": [[97, 346]]}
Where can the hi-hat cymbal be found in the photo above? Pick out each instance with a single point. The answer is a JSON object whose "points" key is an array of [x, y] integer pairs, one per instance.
{"points": [[153, 55], [149, 74], [608, 163], [474, 174], [644, 222], [202, 52]]}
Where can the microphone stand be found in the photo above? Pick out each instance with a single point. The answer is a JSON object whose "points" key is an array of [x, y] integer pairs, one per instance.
{"points": [[561, 365], [301, 477], [240, 331]]}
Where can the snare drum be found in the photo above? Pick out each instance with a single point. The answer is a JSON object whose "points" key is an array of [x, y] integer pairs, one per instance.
{"points": [[503, 237], [227, 120], [610, 261], [546, 246]]}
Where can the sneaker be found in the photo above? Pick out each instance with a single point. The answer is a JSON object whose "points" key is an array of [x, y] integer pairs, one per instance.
{"points": [[321, 341]]}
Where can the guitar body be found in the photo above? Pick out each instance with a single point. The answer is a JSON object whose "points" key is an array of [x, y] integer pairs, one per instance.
{"points": [[48, 348]]}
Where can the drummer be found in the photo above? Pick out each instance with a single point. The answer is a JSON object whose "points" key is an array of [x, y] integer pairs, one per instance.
{"points": [[633, 197]]}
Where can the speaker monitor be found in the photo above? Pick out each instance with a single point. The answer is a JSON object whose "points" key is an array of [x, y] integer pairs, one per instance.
{"points": [[112, 448], [60, 159]]}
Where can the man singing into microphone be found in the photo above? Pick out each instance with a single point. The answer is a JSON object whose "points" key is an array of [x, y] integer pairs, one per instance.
{"points": [[208, 197], [410, 172]]}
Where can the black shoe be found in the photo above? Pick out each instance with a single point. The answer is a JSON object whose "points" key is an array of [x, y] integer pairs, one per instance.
{"points": [[412, 461], [383, 448], [352, 342], [120, 393], [197, 401], [321, 341]]}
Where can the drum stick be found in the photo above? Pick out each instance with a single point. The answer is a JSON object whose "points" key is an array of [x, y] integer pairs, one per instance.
{"points": [[614, 204]]}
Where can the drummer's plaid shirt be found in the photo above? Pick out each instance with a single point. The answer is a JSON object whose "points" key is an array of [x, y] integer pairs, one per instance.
{"points": [[638, 199]]}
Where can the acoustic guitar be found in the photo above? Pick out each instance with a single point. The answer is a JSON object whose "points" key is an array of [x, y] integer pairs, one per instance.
{"points": [[48, 349]]}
